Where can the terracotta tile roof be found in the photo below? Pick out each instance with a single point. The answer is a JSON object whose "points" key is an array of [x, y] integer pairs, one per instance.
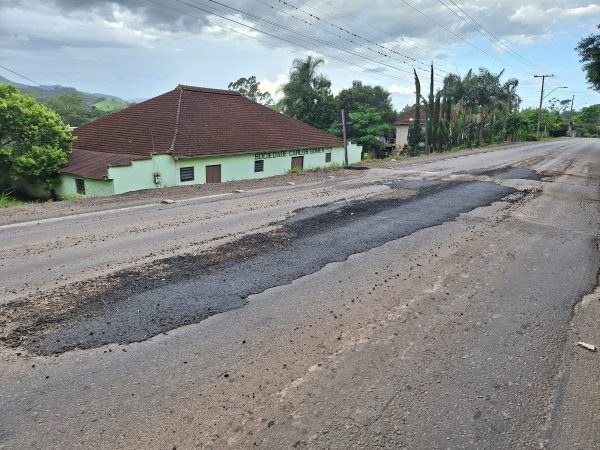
{"points": [[86, 163], [191, 121], [407, 117]]}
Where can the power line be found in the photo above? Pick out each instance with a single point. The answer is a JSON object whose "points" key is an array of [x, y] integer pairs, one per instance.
{"points": [[295, 44], [372, 26], [29, 79], [349, 32], [494, 39], [459, 36], [321, 41]]}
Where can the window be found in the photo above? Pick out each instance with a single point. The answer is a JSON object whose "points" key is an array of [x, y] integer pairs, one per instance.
{"points": [[186, 174], [327, 157], [80, 186], [259, 166]]}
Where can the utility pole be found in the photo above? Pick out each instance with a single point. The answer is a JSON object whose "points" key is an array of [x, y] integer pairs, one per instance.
{"points": [[571, 117], [543, 77], [344, 134]]}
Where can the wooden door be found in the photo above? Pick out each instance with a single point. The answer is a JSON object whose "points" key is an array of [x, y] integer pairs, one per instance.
{"points": [[298, 161], [213, 174]]}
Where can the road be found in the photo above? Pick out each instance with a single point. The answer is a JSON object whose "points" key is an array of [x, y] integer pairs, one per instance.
{"points": [[427, 304]]}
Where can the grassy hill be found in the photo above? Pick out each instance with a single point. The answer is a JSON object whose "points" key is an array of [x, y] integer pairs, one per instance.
{"points": [[42, 94], [110, 105]]}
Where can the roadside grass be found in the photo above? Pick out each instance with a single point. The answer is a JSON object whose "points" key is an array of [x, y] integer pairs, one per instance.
{"points": [[71, 197], [330, 168], [6, 200]]}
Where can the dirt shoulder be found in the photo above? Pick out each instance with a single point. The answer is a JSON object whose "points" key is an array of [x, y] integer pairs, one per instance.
{"points": [[47, 210]]}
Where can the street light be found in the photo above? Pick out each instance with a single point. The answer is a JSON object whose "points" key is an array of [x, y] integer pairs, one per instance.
{"points": [[560, 87]]}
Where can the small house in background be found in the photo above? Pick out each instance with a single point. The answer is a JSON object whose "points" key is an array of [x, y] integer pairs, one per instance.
{"points": [[403, 124], [193, 135]]}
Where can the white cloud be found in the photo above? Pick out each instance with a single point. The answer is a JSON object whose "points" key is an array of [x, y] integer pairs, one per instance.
{"points": [[273, 87], [399, 89]]}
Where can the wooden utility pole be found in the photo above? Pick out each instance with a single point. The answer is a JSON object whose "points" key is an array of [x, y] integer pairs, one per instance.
{"points": [[345, 137], [571, 117], [543, 77]]}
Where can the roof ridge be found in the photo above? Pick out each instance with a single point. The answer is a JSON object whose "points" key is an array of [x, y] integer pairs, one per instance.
{"points": [[207, 90], [172, 149]]}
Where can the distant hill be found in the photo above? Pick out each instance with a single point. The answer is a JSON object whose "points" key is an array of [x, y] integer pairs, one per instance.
{"points": [[105, 102], [111, 105]]}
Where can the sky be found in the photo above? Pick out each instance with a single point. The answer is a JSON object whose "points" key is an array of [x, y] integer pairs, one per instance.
{"points": [[136, 49]]}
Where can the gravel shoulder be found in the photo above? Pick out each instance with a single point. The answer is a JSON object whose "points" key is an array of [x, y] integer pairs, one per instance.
{"points": [[46, 210]]}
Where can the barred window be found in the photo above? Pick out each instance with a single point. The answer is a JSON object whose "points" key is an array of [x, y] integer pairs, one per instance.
{"points": [[259, 165], [327, 157], [80, 186], [186, 174]]}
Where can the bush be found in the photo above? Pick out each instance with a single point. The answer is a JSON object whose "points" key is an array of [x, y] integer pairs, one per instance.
{"points": [[35, 141]]}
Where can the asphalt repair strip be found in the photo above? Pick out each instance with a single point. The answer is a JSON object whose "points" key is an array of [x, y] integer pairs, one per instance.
{"points": [[135, 305]]}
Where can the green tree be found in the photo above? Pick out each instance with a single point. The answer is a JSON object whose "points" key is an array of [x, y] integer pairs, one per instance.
{"points": [[587, 121], [73, 109], [589, 52], [307, 96], [250, 88], [415, 132], [34, 141], [368, 127], [361, 95]]}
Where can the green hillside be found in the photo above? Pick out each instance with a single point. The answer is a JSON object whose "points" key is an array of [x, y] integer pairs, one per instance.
{"points": [[108, 105], [42, 94]]}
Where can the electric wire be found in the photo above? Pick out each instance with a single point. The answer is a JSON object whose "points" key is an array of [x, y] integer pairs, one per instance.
{"points": [[295, 44], [318, 40], [349, 32], [28, 79], [381, 30], [461, 38], [496, 38], [479, 30]]}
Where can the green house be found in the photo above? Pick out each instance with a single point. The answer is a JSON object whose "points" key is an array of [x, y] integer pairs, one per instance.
{"points": [[193, 135]]}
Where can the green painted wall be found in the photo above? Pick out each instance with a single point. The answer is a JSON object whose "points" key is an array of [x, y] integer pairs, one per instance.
{"points": [[93, 188], [140, 174]]}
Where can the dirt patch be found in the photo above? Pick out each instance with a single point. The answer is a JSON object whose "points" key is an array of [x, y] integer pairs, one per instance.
{"points": [[47, 210]]}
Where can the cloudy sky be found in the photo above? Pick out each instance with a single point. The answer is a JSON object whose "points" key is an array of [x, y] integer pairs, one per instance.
{"points": [[140, 48]]}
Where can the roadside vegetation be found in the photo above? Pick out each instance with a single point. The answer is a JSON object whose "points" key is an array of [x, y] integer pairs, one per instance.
{"points": [[34, 144], [475, 110]]}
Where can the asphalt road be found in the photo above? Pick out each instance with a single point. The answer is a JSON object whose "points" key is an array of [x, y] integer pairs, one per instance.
{"points": [[427, 305]]}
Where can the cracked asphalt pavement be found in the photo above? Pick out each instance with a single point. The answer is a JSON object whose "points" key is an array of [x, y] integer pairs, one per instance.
{"points": [[419, 304]]}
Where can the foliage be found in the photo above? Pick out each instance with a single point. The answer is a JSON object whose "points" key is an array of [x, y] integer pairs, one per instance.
{"points": [[361, 95], [73, 109], [589, 52], [587, 121], [250, 88], [296, 170], [307, 95], [414, 135], [6, 200], [34, 141], [467, 111]]}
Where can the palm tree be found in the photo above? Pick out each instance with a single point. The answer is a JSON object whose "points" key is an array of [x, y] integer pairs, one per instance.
{"points": [[307, 96]]}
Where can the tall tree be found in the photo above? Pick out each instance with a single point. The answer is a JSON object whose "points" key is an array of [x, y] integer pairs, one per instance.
{"points": [[307, 95], [362, 95], [250, 88], [430, 112], [34, 142], [73, 109], [414, 134], [589, 51]]}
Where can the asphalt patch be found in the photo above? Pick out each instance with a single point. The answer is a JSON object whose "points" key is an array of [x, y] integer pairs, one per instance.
{"points": [[135, 305], [510, 173]]}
